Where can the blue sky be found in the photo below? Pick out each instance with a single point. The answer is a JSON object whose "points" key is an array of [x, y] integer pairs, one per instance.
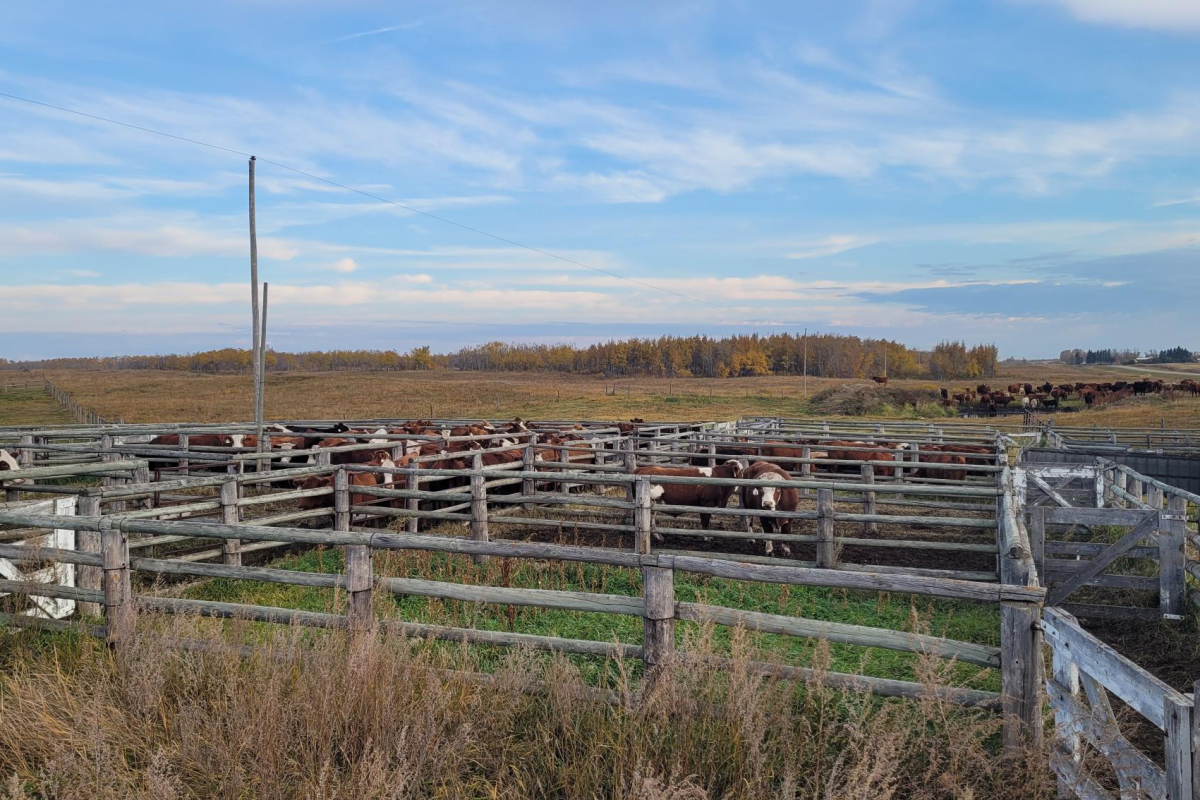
{"points": [[1017, 171]]}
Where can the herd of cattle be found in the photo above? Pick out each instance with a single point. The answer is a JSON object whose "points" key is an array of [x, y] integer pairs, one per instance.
{"points": [[1048, 395], [555, 446]]}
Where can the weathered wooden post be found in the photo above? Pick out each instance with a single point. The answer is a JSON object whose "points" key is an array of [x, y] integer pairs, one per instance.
{"points": [[1136, 488], [88, 505], [1121, 481], [712, 454], [642, 516], [184, 464], [231, 549], [1154, 497], [25, 457], [1021, 672], [805, 466], [658, 620], [1178, 747], [630, 468], [412, 482], [528, 461], [826, 546], [1172, 557], [359, 580], [867, 472], [118, 588], [479, 510]]}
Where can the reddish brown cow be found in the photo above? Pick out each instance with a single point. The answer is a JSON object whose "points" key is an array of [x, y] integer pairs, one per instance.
{"points": [[942, 458], [857, 451], [353, 478], [678, 494], [770, 498], [196, 440], [880, 379]]}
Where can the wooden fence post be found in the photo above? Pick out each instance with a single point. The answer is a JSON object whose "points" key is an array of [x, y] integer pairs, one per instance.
{"points": [[1154, 497], [528, 461], [1021, 673], [642, 516], [412, 482], [805, 466], [658, 621], [1172, 536], [826, 546], [479, 510], [1121, 480], [1136, 489], [231, 514], [88, 505], [868, 478], [118, 589], [359, 579], [25, 457], [712, 454], [630, 468], [1177, 747], [185, 466]]}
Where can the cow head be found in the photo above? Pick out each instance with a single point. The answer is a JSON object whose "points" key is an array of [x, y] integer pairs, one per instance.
{"points": [[734, 467], [313, 482]]}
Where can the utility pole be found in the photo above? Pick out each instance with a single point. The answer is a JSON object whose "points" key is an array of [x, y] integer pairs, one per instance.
{"points": [[885, 344], [262, 371], [254, 356], [806, 363]]}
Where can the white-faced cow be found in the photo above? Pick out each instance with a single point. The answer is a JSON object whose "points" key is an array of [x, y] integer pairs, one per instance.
{"points": [[770, 497]]}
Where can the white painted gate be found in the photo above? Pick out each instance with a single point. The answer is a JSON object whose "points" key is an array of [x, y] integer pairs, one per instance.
{"points": [[60, 574]]}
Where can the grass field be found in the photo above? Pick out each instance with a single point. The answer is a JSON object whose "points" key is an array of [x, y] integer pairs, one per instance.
{"points": [[31, 407], [144, 396]]}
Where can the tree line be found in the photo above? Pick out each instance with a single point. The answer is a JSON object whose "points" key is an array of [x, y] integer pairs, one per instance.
{"points": [[820, 355], [1172, 355]]}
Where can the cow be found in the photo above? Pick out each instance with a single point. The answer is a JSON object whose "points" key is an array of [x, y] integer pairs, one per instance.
{"points": [[880, 379], [1014, 388], [9, 463], [931, 457], [770, 498], [945, 393], [680, 494], [353, 479], [196, 440], [1028, 388], [857, 451]]}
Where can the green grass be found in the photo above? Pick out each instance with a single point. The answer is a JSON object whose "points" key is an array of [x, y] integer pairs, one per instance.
{"points": [[31, 407], [970, 622]]}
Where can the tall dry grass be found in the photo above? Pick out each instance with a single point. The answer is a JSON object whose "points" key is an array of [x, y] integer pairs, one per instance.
{"points": [[315, 716]]}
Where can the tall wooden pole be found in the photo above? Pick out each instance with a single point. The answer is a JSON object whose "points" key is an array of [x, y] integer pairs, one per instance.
{"points": [[254, 356], [806, 363], [262, 371]]}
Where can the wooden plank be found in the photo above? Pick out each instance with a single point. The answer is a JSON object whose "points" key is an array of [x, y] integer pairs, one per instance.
{"points": [[1177, 749], [884, 687], [1102, 561], [1096, 516], [981, 655], [536, 598]]}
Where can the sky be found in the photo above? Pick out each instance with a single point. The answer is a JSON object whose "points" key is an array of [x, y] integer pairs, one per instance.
{"points": [[1023, 172]]}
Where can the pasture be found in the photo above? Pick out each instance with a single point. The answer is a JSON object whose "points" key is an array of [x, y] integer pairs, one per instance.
{"points": [[145, 396]]}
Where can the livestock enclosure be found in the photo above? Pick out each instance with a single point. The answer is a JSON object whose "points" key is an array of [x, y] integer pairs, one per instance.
{"points": [[962, 512]]}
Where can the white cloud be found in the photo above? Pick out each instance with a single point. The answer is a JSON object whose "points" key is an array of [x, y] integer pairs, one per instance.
{"points": [[1166, 15], [831, 245], [345, 265]]}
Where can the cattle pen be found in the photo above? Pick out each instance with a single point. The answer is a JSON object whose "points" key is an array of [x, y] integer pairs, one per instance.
{"points": [[95, 514]]}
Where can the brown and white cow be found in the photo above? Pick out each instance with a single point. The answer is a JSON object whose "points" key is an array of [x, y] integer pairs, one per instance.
{"points": [[353, 479], [679, 494], [9, 462], [198, 439], [769, 497]]}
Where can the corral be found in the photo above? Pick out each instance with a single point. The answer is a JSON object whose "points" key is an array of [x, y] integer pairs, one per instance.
{"points": [[880, 508]]}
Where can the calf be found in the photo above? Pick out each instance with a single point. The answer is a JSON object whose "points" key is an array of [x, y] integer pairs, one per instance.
{"points": [[942, 458], [9, 463], [352, 478], [854, 451], [679, 494], [770, 498]]}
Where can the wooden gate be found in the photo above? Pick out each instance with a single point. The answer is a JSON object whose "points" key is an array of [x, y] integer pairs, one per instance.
{"points": [[1084, 672], [53, 572]]}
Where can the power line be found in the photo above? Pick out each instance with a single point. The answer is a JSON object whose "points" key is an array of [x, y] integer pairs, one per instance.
{"points": [[375, 197]]}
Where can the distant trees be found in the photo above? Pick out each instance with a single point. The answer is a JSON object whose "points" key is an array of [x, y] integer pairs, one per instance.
{"points": [[743, 355], [1107, 356], [1173, 355]]}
